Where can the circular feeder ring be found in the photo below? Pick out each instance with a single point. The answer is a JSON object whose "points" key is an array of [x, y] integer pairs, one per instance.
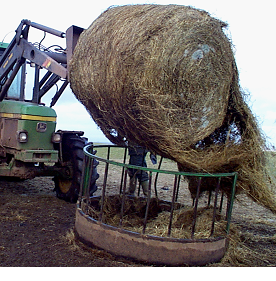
{"points": [[118, 232], [147, 248]]}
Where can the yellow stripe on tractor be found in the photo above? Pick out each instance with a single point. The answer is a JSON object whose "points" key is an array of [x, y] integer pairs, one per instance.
{"points": [[28, 117]]}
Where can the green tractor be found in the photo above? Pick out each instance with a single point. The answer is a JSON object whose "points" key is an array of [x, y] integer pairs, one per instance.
{"points": [[30, 146]]}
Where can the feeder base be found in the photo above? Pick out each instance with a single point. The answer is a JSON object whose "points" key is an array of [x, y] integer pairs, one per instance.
{"points": [[147, 248]]}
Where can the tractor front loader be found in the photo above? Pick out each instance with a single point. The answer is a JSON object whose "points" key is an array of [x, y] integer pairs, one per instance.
{"points": [[30, 146]]}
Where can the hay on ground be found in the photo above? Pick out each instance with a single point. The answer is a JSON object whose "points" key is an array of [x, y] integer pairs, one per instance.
{"points": [[165, 77]]}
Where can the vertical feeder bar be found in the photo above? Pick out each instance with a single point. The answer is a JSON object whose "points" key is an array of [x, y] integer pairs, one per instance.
{"points": [[172, 205], [148, 203], [104, 185], [195, 207], [84, 179], [91, 165], [156, 177], [215, 206], [209, 198], [140, 171], [221, 202], [227, 208], [123, 199], [139, 187], [177, 189], [84, 175], [229, 213], [88, 179], [123, 170]]}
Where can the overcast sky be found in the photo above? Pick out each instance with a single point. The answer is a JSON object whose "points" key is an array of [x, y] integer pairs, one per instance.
{"points": [[251, 29]]}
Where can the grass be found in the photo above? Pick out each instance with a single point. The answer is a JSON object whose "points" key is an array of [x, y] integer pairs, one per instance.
{"points": [[116, 153]]}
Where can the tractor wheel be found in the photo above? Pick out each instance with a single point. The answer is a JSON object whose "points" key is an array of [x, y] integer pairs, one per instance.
{"points": [[72, 155]]}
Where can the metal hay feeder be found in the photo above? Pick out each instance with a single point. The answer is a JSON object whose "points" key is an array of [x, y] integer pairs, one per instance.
{"points": [[140, 244]]}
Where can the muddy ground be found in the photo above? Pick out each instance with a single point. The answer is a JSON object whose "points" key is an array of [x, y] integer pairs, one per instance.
{"points": [[37, 231]]}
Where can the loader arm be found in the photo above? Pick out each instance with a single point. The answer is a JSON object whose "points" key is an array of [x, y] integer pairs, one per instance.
{"points": [[20, 50]]}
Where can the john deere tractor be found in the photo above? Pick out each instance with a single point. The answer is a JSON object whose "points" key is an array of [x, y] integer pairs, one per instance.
{"points": [[30, 146]]}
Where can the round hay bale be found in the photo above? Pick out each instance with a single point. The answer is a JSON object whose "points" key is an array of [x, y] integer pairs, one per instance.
{"points": [[151, 74], [164, 77]]}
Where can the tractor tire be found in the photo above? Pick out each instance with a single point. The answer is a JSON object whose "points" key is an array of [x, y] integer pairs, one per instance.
{"points": [[72, 155]]}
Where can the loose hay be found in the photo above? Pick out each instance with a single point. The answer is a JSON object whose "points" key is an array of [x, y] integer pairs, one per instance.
{"points": [[158, 217], [165, 77]]}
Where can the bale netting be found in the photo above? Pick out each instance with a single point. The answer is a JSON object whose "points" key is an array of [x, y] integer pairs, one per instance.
{"points": [[165, 77]]}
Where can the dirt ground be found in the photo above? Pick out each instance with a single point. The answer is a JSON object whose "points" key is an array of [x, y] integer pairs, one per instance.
{"points": [[37, 231]]}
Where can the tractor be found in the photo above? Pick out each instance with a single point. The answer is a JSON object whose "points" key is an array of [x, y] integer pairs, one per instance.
{"points": [[30, 146]]}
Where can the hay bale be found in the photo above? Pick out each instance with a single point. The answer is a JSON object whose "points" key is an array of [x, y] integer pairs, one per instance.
{"points": [[138, 69], [164, 76]]}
